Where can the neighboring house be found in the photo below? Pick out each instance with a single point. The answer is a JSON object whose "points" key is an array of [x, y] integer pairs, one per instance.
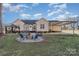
{"points": [[41, 25]]}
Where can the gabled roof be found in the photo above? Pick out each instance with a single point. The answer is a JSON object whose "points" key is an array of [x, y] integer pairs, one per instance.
{"points": [[29, 21]]}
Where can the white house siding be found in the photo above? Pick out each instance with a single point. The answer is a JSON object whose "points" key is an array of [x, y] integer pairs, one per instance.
{"points": [[20, 24], [56, 28], [30, 27], [26, 27], [46, 25]]}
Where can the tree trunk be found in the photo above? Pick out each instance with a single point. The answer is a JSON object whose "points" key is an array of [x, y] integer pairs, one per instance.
{"points": [[1, 30]]}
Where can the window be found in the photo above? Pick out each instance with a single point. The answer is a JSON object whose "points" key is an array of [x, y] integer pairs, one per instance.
{"points": [[30, 26], [34, 27], [42, 26], [78, 27], [9, 28]]}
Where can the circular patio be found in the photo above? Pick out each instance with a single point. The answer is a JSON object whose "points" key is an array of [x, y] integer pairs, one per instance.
{"points": [[29, 40], [32, 37]]}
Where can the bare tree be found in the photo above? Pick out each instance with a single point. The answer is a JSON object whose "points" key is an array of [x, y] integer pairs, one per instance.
{"points": [[1, 18]]}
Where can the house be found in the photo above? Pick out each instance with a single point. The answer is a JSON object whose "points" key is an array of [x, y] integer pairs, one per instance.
{"points": [[40, 25], [32, 25]]}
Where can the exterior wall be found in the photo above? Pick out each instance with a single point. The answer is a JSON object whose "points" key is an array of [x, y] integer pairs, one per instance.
{"points": [[20, 24], [26, 27], [34, 27], [30, 27], [46, 25], [55, 28]]}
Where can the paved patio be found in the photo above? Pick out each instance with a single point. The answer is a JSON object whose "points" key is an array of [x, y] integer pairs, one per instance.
{"points": [[25, 40]]}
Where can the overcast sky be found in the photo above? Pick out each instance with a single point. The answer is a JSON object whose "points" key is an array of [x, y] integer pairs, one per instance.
{"points": [[50, 11]]}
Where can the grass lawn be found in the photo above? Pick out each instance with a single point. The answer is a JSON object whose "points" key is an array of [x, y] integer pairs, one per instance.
{"points": [[57, 45]]}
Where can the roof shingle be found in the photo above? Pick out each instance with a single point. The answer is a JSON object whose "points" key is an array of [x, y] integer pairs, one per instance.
{"points": [[29, 21]]}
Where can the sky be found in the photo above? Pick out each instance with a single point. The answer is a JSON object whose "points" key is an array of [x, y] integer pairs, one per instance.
{"points": [[35, 11]]}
